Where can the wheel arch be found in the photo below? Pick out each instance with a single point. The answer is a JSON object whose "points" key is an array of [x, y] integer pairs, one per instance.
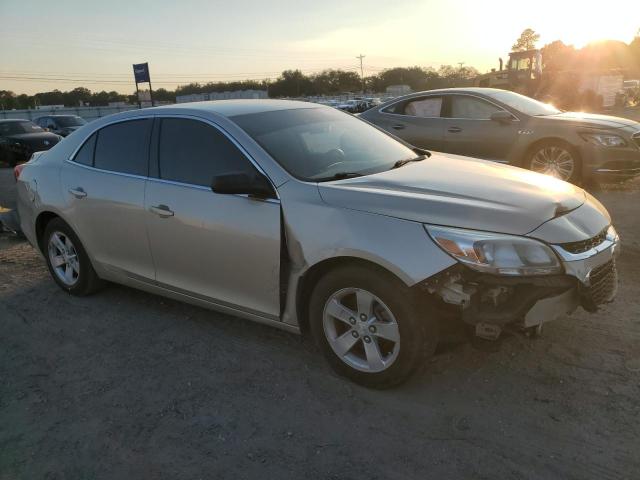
{"points": [[313, 274], [547, 139], [42, 220]]}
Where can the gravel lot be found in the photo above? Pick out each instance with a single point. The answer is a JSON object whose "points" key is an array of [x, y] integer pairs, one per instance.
{"points": [[125, 384]]}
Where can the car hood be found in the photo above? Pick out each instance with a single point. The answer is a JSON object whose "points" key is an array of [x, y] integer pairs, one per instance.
{"points": [[593, 120], [458, 191]]}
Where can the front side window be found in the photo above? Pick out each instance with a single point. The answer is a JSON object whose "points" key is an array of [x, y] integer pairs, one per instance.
{"points": [[465, 106], [193, 152], [123, 147], [320, 144]]}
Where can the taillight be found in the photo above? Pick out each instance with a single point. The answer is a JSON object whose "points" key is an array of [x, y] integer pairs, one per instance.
{"points": [[17, 170]]}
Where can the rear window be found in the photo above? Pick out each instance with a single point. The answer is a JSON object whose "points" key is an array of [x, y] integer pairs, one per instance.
{"points": [[123, 147]]}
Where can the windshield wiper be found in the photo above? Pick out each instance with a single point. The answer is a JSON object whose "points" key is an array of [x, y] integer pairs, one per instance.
{"points": [[339, 176], [400, 163]]}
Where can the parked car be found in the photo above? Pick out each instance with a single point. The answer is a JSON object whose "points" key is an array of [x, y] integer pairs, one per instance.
{"points": [[62, 125], [508, 127], [20, 138], [353, 106], [308, 219]]}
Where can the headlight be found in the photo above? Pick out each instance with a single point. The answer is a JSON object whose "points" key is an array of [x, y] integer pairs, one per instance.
{"points": [[496, 253], [604, 140]]}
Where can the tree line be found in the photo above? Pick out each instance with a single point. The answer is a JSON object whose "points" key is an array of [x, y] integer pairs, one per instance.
{"points": [[562, 65], [291, 83]]}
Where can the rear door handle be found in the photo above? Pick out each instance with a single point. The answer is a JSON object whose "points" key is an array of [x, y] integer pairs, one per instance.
{"points": [[78, 192], [162, 211], [455, 129], [397, 126]]}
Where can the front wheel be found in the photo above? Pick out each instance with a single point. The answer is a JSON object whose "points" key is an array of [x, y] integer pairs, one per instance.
{"points": [[556, 159], [371, 327]]}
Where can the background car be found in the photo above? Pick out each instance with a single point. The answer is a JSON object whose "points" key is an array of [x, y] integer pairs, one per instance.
{"points": [[508, 127], [19, 139], [306, 218], [61, 124]]}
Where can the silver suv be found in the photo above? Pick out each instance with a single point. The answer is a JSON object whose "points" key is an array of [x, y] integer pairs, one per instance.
{"points": [[306, 218]]}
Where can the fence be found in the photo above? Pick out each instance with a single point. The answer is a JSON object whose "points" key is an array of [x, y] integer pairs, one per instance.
{"points": [[88, 113]]}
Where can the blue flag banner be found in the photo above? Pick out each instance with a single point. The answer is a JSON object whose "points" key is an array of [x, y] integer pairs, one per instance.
{"points": [[141, 72]]}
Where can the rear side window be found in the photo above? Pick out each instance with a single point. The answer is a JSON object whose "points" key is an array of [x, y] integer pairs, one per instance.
{"points": [[194, 152], [85, 154], [123, 147]]}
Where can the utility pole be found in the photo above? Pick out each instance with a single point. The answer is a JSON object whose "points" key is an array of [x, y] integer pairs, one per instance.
{"points": [[360, 57]]}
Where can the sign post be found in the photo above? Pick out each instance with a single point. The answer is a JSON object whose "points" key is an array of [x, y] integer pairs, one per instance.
{"points": [[141, 75]]}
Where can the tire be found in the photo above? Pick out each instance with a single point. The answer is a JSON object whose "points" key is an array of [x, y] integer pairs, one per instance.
{"points": [[371, 358], [555, 158], [61, 244]]}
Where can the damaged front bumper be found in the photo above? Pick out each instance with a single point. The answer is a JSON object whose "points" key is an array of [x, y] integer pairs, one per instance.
{"points": [[490, 302]]}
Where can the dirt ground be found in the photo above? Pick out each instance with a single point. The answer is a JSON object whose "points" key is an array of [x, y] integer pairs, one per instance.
{"points": [[125, 384]]}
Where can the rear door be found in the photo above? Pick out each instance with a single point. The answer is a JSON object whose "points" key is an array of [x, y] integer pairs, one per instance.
{"points": [[220, 248], [418, 121], [469, 130], [104, 187]]}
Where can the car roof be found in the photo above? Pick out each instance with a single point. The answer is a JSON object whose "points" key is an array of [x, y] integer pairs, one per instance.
{"points": [[231, 108], [480, 90]]}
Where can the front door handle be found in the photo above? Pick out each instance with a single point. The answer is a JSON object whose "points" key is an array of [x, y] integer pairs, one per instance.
{"points": [[162, 211], [397, 126], [78, 192], [455, 129]]}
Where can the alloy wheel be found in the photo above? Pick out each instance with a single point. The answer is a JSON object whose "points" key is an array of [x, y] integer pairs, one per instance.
{"points": [[555, 161], [64, 258], [361, 330]]}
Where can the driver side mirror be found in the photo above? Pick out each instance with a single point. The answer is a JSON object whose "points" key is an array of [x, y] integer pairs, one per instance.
{"points": [[243, 183], [502, 117]]}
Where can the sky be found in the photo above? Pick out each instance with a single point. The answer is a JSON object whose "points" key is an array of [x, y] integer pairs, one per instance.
{"points": [[69, 43]]}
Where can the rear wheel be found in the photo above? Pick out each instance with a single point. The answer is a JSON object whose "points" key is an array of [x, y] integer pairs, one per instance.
{"points": [[67, 260], [371, 327], [557, 159]]}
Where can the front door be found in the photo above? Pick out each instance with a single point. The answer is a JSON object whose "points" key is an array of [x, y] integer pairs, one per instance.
{"points": [[104, 189], [469, 130], [220, 248]]}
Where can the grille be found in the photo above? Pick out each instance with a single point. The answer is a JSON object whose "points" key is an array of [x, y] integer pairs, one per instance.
{"points": [[603, 283], [585, 245]]}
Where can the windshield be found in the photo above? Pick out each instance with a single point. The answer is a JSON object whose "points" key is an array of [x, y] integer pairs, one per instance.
{"points": [[14, 128], [523, 104], [314, 144], [70, 121]]}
